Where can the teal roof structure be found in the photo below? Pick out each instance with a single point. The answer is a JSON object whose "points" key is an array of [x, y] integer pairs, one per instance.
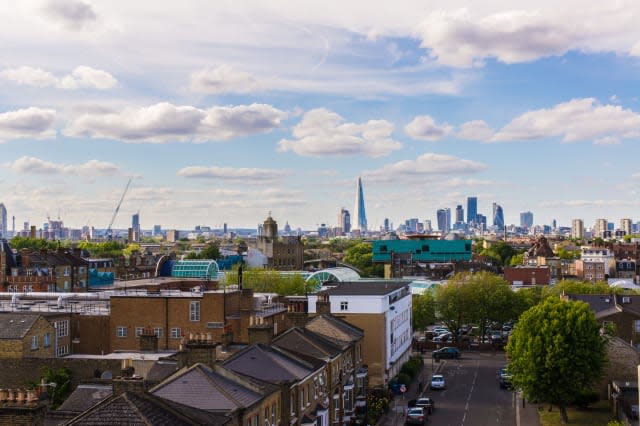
{"points": [[339, 274], [205, 269], [422, 250]]}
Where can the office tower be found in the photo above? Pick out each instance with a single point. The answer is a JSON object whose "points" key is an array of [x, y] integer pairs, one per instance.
{"points": [[481, 220], [135, 225], [498, 216], [600, 228], [3, 221], [472, 209], [344, 220], [554, 224], [526, 219], [427, 225], [157, 230], [626, 225], [459, 214], [412, 224], [386, 224], [360, 214], [444, 219]]}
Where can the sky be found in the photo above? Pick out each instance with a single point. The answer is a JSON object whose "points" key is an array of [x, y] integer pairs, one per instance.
{"points": [[224, 111]]}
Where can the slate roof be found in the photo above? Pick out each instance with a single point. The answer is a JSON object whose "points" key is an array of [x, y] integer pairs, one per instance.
{"points": [[16, 326], [336, 330], [137, 409], [366, 288], [305, 342], [201, 387], [85, 396], [598, 303], [269, 364], [161, 370]]}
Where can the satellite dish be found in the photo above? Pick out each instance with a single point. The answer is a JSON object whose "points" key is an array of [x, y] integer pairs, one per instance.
{"points": [[107, 375]]}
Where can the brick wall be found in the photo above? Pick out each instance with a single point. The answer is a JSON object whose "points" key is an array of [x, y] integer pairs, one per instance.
{"points": [[17, 373]]}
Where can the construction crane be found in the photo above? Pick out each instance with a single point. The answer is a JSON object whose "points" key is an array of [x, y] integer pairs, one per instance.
{"points": [[115, 213]]}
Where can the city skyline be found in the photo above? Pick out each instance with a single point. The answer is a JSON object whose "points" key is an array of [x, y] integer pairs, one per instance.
{"points": [[220, 113]]}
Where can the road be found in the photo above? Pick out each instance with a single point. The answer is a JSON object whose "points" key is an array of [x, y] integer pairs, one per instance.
{"points": [[473, 396]]}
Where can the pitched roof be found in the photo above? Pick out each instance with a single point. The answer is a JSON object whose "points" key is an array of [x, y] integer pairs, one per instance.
{"points": [[366, 288], [129, 408], [201, 387], [16, 326], [161, 370], [86, 396], [338, 331], [597, 302], [302, 341], [269, 364]]}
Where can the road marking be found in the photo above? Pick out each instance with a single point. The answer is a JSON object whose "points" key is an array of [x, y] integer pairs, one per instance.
{"points": [[473, 384]]}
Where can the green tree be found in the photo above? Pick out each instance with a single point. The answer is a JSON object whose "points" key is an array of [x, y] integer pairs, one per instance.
{"points": [[269, 281], [130, 249], [556, 352], [18, 243], [453, 302], [62, 388], [361, 257], [516, 259], [210, 251], [576, 287], [110, 249], [500, 251], [423, 310]]}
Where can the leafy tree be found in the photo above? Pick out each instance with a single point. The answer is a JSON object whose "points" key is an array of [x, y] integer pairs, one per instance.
{"points": [[576, 287], [453, 301], [110, 249], [500, 251], [18, 243], [361, 256], [62, 389], [556, 352], [130, 249], [516, 259], [269, 281], [424, 310], [210, 251], [563, 253]]}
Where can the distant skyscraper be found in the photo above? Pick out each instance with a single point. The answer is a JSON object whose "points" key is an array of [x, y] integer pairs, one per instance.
{"points": [[600, 228], [344, 220], [359, 212], [498, 216], [135, 225], [472, 209], [444, 219], [386, 224], [157, 230], [625, 225], [526, 219], [3, 221], [577, 228], [459, 214], [427, 226]]}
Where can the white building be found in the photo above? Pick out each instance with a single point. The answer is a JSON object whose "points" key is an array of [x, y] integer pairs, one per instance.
{"points": [[598, 254]]}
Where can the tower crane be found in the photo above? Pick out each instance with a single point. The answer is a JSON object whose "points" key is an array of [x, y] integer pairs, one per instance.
{"points": [[115, 213]]}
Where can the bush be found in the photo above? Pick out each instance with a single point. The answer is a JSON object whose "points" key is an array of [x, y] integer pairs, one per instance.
{"points": [[586, 398], [404, 378]]}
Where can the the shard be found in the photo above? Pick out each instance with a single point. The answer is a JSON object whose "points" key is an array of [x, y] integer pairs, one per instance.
{"points": [[359, 212]]}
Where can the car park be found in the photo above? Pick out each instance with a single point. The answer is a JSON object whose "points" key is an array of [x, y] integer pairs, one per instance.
{"points": [[438, 382], [415, 416], [446, 352], [426, 403]]}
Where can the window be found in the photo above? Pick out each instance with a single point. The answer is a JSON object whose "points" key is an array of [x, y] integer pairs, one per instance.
{"points": [[47, 340], [62, 350], [176, 333], [194, 311], [636, 326], [62, 328], [139, 331], [121, 331], [344, 306], [157, 331], [67, 271], [34, 343]]}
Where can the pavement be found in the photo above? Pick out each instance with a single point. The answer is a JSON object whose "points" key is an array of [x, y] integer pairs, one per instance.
{"points": [[526, 414]]}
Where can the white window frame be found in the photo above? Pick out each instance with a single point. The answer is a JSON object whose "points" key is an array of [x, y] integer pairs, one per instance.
{"points": [[194, 310], [121, 331], [34, 342], [158, 331], [344, 305], [176, 333], [46, 340], [139, 331]]}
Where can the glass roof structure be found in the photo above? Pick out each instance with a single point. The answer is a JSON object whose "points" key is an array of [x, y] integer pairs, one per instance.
{"points": [[332, 274], [206, 269]]}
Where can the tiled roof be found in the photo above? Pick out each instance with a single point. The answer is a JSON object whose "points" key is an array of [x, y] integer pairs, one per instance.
{"points": [[269, 364], [200, 387], [597, 302], [307, 343], [16, 326], [86, 396], [338, 331], [366, 288], [135, 409], [161, 370]]}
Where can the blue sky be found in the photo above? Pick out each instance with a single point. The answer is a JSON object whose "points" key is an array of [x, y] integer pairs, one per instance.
{"points": [[223, 111]]}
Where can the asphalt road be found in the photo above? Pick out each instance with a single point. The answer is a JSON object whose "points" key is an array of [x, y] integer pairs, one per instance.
{"points": [[473, 396]]}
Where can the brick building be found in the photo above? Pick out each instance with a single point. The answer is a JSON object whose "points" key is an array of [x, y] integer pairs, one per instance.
{"points": [[32, 335], [527, 275]]}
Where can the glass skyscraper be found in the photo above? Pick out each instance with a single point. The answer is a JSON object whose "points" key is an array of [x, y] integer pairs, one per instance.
{"points": [[359, 213], [498, 216], [472, 209]]}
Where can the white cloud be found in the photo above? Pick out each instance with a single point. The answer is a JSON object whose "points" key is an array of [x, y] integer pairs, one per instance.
{"points": [[324, 133], [427, 164], [244, 175], [424, 128], [576, 120], [223, 79], [607, 140], [32, 165], [475, 130], [165, 122], [73, 15], [81, 77], [30, 122]]}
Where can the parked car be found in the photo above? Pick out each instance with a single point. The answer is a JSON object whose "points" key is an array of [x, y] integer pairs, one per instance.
{"points": [[446, 352], [426, 403], [437, 382], [504, 378], [415, 416], [444, 337]]}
